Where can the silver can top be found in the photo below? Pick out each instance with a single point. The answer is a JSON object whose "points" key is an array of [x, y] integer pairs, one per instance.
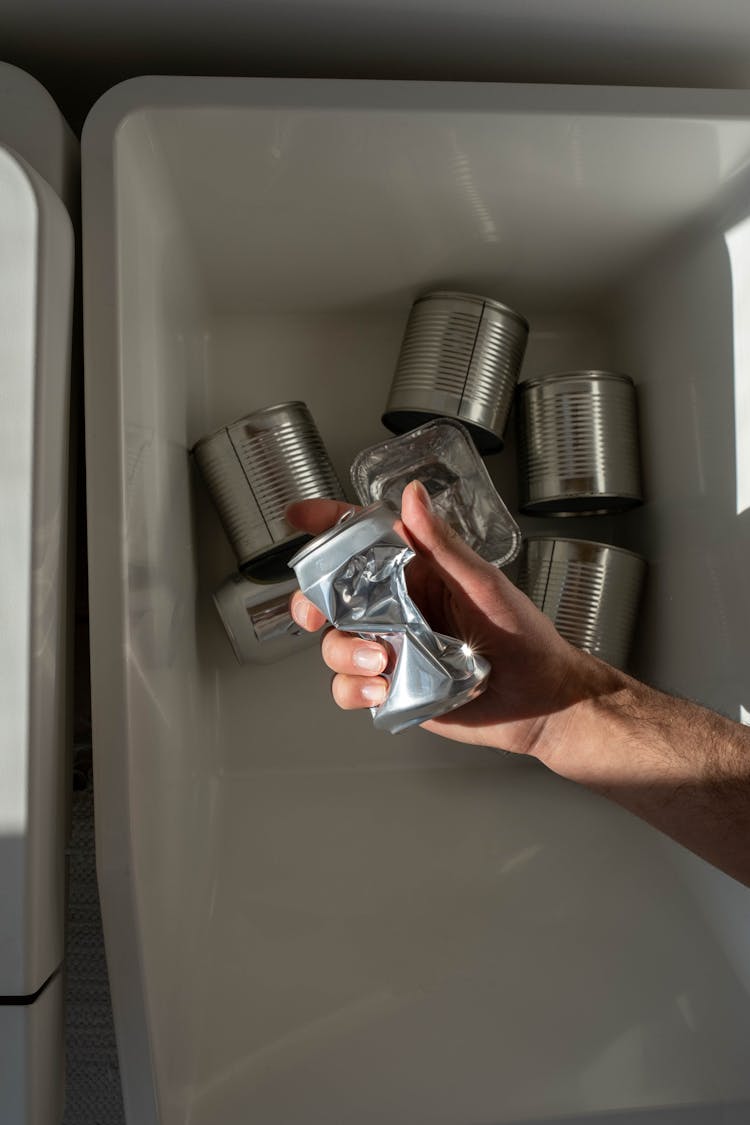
{"points": [[264, 418], [582, 545], [473, 299], [594, 375]]}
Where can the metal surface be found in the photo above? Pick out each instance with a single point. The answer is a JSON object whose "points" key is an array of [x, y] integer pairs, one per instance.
{"points": [[257, 620], [591, 592], [460, 358], [578, 444], [254, 468], [272, 619], [354, 574], [443, 457]]}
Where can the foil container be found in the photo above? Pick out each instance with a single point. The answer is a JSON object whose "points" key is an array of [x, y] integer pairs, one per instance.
{"points": [[354, 574], [442, 455]]}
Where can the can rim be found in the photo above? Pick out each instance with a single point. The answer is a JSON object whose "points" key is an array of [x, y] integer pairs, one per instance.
{"points": [[584, 375], [485, 440], [352, 516], [584, 543], [251, 414], [531, 505], [473, 298]]}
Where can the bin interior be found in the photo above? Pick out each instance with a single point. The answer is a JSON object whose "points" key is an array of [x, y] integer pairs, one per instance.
{"points": [[329, 923]]}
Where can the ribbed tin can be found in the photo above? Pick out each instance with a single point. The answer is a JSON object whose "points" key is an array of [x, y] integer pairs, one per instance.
{"points": [[254, 468], [591, 591], [578, 444], [460, 358]]}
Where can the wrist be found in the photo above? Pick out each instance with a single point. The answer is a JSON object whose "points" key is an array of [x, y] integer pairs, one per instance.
{"points": [[624, 739], [594, 726]]}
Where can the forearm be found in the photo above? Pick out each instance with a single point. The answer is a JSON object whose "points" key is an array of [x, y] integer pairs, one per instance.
{"points": [[682, 768]]}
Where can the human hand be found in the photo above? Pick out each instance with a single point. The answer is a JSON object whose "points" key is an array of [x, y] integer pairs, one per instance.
{"points": [[535, 676], [678, 766]]}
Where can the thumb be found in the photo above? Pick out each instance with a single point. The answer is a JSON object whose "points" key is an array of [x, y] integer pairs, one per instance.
{"points": [[435, 540]]}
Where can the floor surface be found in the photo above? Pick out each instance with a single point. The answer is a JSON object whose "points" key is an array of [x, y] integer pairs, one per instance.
{"points": [[93, 1095]]}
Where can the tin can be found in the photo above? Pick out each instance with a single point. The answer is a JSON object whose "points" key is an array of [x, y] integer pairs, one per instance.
{"points": [[257, 620], [578, 444], [460, 358], [590, 591], [254, 468]]}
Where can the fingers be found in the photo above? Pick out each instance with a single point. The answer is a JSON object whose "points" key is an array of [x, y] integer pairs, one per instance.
{"points": [[314, 516], [306, 615], [356, 663], [352, 693], [460, 567], [433, 535], [353, 656]]}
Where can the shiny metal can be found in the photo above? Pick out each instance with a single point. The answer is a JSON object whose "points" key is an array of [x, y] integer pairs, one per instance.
{"points": [[354, 574], [254, 468], [578, 450], [257, 619], [590, 591], [460, 358]]}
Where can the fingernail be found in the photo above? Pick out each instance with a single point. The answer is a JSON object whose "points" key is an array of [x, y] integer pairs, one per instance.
{"points": [[422, 494], [369, 658], [374, 692]]}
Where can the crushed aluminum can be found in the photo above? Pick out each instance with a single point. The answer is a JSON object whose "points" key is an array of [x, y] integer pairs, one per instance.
{"points": [[354, 574]]}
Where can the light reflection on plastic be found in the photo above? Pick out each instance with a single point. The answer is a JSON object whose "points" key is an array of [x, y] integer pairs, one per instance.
{"points": [[465, 177], [738, 245]]}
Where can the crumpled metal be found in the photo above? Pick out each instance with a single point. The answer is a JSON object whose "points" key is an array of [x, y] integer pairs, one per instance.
{"points": [[354, 574]]}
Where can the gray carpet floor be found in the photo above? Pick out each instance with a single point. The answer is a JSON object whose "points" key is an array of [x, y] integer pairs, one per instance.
{"points": [[93, 1095]]}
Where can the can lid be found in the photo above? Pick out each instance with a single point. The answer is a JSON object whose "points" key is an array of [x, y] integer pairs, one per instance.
{"points": [[274, 408], [296, 404], [473, 299], [593, 376]]}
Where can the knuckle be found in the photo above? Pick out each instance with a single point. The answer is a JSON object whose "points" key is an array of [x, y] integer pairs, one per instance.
{"points": [[448, 533], [330, 649]]}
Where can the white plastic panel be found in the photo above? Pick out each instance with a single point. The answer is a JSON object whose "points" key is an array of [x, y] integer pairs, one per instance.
{"points": [[36, 284], [303, 918], [32, 1059], [683, 326]]}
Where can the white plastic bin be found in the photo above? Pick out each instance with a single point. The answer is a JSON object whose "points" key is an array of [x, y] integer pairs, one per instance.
{"points": [[306, 920], [38, 159]]}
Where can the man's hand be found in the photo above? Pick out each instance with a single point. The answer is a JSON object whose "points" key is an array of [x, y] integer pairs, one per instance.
{"points": [[533, 685], [681, 767]]}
